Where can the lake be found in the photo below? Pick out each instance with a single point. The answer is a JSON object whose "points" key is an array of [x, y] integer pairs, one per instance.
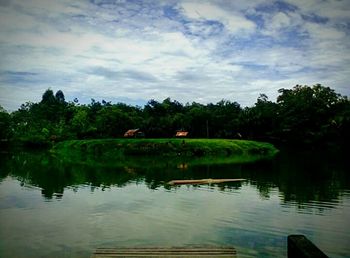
{"points": [[53, 208]]}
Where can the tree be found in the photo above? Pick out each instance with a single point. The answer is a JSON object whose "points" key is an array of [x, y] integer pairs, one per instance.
{"points": [[162, 119], [302, 114], [80, 123], [306, 113], [48, 97], [5, 124], [199, 118], [59, 96], [112, 122], [263, 119], [224, 118]]}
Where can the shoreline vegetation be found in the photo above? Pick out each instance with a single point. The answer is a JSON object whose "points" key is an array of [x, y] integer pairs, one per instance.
{"points": [[198, 151], [304, 117]]}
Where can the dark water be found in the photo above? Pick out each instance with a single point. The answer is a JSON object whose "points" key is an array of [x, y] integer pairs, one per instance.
{"points": [[51, 208]]}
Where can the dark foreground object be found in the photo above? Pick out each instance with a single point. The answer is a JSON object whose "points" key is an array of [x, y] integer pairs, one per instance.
{"points": [[215, 252], [301, 247]]}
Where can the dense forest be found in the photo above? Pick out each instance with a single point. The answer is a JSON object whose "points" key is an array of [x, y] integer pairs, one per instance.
{"points": [[308, 115]]}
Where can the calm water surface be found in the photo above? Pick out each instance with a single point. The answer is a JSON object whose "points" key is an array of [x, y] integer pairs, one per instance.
{"points": [[52, 208]]}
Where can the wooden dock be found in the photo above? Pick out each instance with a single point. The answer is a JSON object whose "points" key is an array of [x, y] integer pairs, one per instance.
{"points": [[192, 252]]}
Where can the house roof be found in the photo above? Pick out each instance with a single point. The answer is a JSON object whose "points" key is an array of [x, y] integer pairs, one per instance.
{"points": [[131, 132], [181, 133]]}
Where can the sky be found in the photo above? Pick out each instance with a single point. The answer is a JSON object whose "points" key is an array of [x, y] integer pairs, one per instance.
{"points": [[204, 51]]}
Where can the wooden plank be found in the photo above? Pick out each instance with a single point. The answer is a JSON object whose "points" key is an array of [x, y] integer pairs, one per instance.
{"points": [[165, 252], [300, 246], [204, 181]]}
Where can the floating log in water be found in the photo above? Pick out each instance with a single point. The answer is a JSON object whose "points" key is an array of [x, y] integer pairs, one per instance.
{"points": [[204, 181], [166, 252]]}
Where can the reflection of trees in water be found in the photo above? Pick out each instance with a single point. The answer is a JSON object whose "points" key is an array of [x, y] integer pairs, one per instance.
{"points": [[53, 176], [4, 166], [301, 179]]}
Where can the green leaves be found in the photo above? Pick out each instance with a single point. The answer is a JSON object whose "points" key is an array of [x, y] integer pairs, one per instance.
{"points": [[302, 114]]}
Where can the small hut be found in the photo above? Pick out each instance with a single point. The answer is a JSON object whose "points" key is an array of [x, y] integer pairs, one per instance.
{"points": [[181, 134], [134, 133]]}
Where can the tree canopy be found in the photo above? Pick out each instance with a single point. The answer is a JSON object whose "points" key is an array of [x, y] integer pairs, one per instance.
{"points": [[303, 114]]}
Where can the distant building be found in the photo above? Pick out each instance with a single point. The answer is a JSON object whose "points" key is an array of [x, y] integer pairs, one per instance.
{"points": [[181, 133], [134, 133]]}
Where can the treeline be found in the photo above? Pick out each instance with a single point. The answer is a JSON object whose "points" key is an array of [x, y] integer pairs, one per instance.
{"points": [[303, 115]]}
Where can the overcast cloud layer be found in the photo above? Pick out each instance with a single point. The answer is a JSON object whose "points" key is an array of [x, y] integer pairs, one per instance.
{"points": [[203, 51]]}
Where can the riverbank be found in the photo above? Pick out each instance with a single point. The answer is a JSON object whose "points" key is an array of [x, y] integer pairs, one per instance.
{"points": [[223, 150]]}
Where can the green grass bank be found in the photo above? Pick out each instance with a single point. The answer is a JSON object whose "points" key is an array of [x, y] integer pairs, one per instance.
{"points": [[197, 150]]}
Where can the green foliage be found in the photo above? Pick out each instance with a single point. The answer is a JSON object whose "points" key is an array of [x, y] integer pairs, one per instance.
{"points": [[261, 120], [5, 124], [163, 119], [107, 151], [48, 97], [315, 115], [80, 122], [307, 113], [115, 120], [59, 96]]}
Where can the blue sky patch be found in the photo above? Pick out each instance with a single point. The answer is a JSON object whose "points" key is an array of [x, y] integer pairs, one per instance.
{"points": [[188, 50]]}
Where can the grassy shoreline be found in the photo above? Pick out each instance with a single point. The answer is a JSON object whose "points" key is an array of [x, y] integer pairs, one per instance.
{"points": [[201, 150]]}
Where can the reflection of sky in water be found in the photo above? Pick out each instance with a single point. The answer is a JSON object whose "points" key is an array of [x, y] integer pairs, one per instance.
{"points": [[135, 215]]}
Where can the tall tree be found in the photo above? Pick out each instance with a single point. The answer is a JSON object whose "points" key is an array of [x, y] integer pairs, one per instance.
{"points": [[59, 96], [48, 97], [5, 124], [306, 112]]}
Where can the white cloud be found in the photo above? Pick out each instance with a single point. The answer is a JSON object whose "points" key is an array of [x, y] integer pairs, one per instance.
{"points": [[234, 21], [318, 32], [280, 20], [204, 51], [330, 9]]}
